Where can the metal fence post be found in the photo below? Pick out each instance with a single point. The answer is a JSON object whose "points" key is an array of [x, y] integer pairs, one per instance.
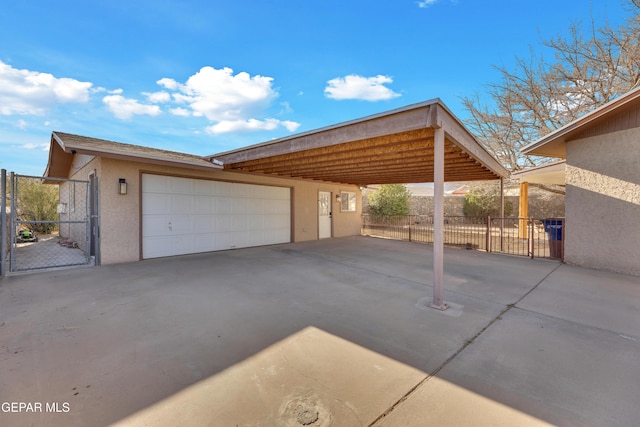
{"points": [[12, 222], [3, 221], [531, 237], [488, 239]]}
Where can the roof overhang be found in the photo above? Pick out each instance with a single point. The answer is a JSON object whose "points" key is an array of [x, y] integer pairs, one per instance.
{"points": [[554, 144], [551, 173], [64, 146], [388, 148]]}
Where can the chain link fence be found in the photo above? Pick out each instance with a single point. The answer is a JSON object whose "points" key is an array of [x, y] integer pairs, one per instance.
{"points": [[48, 222]]}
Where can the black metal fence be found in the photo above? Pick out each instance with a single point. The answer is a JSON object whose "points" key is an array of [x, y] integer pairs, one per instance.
{"points": [[531, 237]]}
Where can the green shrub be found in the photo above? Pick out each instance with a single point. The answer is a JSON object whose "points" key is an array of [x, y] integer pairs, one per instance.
{"points": [[390, 200], [483, 203], [38, 202]]}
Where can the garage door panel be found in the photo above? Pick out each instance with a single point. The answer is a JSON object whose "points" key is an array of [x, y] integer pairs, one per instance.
{"points": [[241, 190], [182, 186], [239, 206], [184, 215], [203, 187], [159, 184], [157, 203], [183, 204], [255, 222], [223, 188], [204, 224], [156, 225], [180, 225], [279, 222], [156, 246], [224, 222], [223, 206], [224, 240], [204, 205], [274, 206], [204, 242]]}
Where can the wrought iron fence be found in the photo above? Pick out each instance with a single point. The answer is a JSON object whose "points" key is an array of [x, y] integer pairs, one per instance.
{"points": [[532, 237]]}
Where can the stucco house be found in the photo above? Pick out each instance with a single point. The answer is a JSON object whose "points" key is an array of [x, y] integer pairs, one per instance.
{"points": [[155, 203], [602, 176]]}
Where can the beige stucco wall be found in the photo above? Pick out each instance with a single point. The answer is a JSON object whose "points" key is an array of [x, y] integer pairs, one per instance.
{"points": [[603, 202], [120, 215]]}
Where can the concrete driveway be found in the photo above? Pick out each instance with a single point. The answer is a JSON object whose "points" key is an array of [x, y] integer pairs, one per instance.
{"points": [[332, 332]]}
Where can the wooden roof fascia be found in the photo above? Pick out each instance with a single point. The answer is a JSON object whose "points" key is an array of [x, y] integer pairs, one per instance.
{"points": [[455, 130], [555, 139], [379, 125], [57, 154]]}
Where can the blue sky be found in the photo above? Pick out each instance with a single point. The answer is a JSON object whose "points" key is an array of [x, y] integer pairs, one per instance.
{"points": [[204, 77]]}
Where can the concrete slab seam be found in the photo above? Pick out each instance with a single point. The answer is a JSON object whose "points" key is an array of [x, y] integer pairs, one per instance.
{"points": [[457, 352], [573, 322]]}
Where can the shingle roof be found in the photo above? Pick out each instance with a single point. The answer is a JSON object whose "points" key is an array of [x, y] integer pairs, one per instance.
{"points": [[65, 144]]}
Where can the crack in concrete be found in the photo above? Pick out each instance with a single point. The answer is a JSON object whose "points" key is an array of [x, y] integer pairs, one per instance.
{"points": [[467, 343]]}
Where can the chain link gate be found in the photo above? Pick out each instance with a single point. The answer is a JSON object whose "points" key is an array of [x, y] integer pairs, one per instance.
{"points": [[52, 222]]}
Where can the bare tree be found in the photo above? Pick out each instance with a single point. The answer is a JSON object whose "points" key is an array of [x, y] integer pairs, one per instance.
{"points": [[540, 96]]}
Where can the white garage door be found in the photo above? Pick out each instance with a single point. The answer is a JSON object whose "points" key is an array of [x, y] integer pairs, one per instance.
{"points": [[184, 216]]}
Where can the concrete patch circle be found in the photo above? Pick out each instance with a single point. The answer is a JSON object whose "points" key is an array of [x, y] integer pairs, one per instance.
{"points": [[304, 408]]}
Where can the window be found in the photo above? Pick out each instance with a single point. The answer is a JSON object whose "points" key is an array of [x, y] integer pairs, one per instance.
{"points": [[347, 201]]}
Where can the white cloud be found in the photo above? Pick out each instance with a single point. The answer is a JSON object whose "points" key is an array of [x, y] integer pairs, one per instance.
{"points": [[219, 95], [168, 83], [291, 126], [125, 108], [423, 4], [158, 97], [31, 92], [426, 3], [250, 125], [286, 108], [22, 124], [32, 146], [359, 87], [233, 102], [182, 112]]}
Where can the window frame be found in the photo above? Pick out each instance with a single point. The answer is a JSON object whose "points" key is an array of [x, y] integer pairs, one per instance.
{"points": [[348, 201]]}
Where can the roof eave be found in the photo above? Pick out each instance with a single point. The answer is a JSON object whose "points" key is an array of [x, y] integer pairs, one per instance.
{"points": [[556, 140]]}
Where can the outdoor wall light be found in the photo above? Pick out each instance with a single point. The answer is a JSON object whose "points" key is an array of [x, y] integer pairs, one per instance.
{"points": [[338, 198], [122, 186]]}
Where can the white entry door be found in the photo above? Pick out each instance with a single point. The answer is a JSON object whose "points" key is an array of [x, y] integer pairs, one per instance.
{"points": [[324, 214], [188, 215]]}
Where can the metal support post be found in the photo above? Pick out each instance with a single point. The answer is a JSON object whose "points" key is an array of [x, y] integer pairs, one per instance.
{"points": [[12, 222], [438, 218], [3, 222]]}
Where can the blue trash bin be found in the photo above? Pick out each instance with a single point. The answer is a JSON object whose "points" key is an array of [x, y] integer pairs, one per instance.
{"points": [[553, 227]]}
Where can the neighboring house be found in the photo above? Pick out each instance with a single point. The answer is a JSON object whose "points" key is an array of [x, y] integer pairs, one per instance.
{"points": [[602, 177], [299, 188]]}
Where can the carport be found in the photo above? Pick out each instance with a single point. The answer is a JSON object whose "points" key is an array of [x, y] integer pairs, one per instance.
{"points": [[419, 143]]}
